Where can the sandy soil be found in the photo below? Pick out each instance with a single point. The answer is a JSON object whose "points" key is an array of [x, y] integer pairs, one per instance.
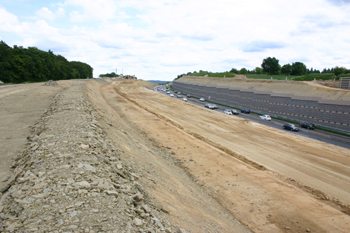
{"points": [[251, 169], [210, 172], [20, 107]]}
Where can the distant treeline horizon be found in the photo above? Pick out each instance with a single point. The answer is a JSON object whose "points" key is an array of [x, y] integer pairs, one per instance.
{"points": [[21, 65]]}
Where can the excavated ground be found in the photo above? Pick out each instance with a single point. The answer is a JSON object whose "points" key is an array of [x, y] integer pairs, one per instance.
{"points": [[105, 155]]}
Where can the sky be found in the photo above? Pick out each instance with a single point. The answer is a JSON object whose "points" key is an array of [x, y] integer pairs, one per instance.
{"points": [[160, 39]]}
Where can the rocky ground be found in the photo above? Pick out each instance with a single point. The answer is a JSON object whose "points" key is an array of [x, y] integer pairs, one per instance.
{"points": [[113, 156], [70, 178]]}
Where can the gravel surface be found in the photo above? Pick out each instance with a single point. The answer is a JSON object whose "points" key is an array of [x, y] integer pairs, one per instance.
{"points": [[70, 178]]}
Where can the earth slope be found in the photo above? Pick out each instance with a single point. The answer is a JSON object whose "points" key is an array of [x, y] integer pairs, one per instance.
{"points": [[310, 89], [116, 156]]}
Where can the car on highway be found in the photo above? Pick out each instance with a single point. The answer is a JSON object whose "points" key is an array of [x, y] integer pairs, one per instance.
{"points": [[172, 95], [307, 125], [246, 111], [210, 106], [184, 99], [168, 92], [202, 99], [265, 117], [188, 96], [234, 111], [290, 127], [228, 111], [179, 96]]}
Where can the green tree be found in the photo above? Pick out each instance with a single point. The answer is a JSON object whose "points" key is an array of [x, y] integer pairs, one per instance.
{"points": [[339, 70], [286, 69], [259, 70], [110, 75], [18, 65], [234, 70], [243, 71], [84, 69], [312, 71], [298, 68], [5, 66], [270, 65]]}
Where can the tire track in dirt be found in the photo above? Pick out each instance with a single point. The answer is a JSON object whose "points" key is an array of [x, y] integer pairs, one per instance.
{"points": [[199, 137], [163, 170]]}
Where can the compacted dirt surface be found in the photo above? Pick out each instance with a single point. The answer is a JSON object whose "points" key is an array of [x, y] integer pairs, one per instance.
{"points": [[115, 156]]}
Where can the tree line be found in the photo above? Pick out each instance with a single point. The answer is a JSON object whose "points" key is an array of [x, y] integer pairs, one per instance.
{"points": [[109, 75], [271, 66], [19, 65]]}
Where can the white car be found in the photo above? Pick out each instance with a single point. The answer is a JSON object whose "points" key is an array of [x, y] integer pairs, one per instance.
{"points": [[201, 99], [265, 117], [168, 92], [210, 106], [184, 99], [172, 95], [234, 111], [228, 111]]}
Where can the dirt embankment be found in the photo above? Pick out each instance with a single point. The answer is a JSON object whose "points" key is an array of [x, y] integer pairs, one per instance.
{"points": [[85, 167], [217, 150], [115, 156], [308, 89]]}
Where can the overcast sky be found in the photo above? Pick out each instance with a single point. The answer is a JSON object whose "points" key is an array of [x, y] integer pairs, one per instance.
{"points": [[159, 39]]}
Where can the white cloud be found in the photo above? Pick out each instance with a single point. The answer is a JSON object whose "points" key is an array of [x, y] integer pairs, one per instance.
{"points": [[45, 13], [160, 39], [90, 10], [8, 21], [145, 19]]}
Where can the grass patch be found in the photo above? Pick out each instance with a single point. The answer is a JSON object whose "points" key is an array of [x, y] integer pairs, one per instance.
{"points": [[311, 77], [343, 75], [265, 76], [217, 75]]}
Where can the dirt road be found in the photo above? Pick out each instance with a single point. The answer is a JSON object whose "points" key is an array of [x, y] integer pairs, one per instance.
{"points": [[200, 170]]}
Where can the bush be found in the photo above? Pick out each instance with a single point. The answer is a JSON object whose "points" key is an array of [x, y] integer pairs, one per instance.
{"points": [[275, 77], [218, 75], [343, 75], [311, 77]]}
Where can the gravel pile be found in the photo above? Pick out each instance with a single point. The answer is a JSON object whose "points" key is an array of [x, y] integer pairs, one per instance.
{"points": [[70, 178], [51, 83]]}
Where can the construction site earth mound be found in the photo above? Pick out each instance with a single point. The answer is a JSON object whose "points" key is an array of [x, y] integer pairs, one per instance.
{"points": [[108, 155]]}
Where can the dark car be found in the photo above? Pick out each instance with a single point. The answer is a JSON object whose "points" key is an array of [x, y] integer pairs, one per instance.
{"points": [[246, 111], [291, 127], [188, 96], [307, 125]]}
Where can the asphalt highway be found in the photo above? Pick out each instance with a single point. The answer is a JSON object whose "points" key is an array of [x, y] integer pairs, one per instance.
{"points": [[275, 123]]}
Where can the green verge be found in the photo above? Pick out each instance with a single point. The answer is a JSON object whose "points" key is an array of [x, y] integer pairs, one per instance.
{"points": [[217, 75], [311, 77], [265, 76]]}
